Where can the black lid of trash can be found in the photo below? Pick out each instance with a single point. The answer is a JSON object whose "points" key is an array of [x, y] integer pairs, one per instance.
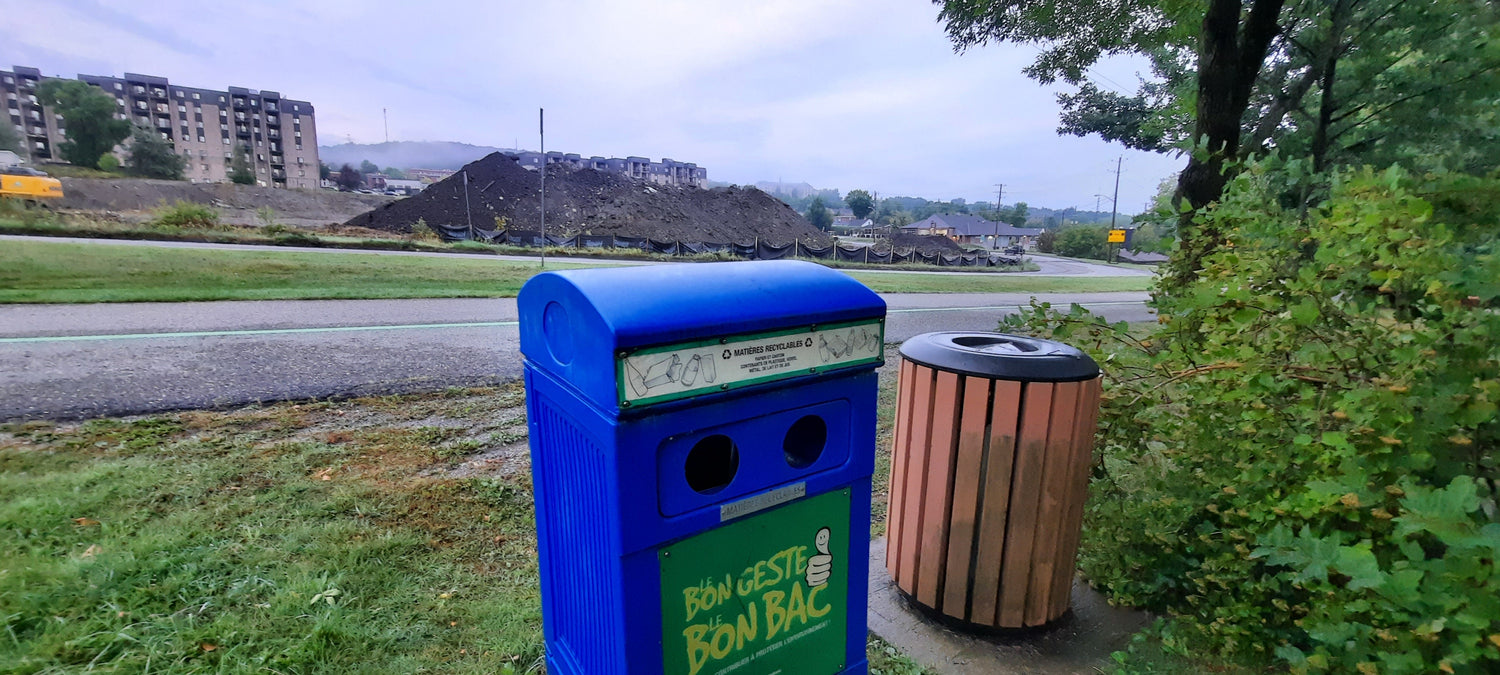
{"points": [[1000, 356]]}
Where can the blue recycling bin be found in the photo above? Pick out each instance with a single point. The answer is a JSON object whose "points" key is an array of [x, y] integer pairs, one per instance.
{"points": [[702, 439]]}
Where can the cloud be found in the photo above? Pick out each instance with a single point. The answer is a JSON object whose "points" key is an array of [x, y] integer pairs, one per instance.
{"points": [[840, 93]]}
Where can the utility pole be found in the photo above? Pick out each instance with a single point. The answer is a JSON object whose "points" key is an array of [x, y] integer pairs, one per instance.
{"points": [[1097, 198], [541, 128], [468, 214], [386, 120], [999, 194], [1114, 208]]}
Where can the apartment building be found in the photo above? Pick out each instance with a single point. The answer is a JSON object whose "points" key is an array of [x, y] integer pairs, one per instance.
{"points": [[666, 172], [278, 136]]}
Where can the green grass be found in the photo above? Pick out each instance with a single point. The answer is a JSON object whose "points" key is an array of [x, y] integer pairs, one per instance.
{"points": [[60, 272], [347, 537], [234, 543], [66, 272], [997, 283]]}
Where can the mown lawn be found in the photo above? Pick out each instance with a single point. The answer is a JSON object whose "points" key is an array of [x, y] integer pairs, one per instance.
{"points": [[61, 272], [281, 539], [33, 271], [885, 282], [377, 535]]}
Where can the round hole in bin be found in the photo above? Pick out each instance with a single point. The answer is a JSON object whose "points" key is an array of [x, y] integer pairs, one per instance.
{"points": [[712, 463], [804, 441], [995, 344]]}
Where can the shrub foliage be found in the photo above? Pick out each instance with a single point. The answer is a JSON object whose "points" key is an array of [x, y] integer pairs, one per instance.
{"points": [[187, 215], [1299, 463]]}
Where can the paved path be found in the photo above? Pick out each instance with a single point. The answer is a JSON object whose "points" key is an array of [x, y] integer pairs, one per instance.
{"points": [[72, 361], [1048, 265]]}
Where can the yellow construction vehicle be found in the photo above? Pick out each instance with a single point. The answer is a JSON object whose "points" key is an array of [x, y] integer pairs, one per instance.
{"points": [[27, 184]]}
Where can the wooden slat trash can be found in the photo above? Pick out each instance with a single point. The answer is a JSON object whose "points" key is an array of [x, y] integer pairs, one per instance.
{"points": [[993, 444]]}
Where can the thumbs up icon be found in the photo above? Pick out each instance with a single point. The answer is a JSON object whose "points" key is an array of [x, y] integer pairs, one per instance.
{"points": [[820, 566]]}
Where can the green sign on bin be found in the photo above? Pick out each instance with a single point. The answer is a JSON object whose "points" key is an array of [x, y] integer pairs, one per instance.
{"points": [[761, 596]]}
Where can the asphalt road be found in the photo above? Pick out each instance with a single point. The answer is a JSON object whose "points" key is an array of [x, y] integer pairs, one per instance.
{"points": [[80, 361], [1047, 266]]}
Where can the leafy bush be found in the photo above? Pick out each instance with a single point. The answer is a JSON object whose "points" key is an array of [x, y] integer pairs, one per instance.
{"points": [[1082, 241], [1300, 462], [109, 163], [420, 231], [1046, 242], [187, 215]]}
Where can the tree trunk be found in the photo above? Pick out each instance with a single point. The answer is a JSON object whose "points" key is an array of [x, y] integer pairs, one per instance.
{"points": [[1330, 59], [1229, 61]]}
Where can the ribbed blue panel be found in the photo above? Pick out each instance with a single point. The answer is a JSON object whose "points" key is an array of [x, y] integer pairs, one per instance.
{"points": [[584, 593]]}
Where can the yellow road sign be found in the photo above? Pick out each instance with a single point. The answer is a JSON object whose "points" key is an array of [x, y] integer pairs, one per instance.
{"points": [[1117, 236]]}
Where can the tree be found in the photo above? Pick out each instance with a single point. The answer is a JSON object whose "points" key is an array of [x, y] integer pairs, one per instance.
{"points": [[1083, 242], [367, 166], [324, 171], [151, 156], [393, 172], [1046, 242], [92, 129], [860, 202], [240, 172], [1336, 81], [1018, 215], [349, 178], [819, 216]]}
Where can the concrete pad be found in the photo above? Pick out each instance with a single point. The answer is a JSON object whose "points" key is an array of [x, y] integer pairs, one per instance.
{"points": [[1080, 642]]}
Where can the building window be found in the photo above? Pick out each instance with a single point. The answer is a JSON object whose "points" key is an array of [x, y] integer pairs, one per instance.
{"points": [[295, 107], [299, 146], [301, 174], [226, 141], [201, 139], [181, 108], [196, 96], [119, 86], [205, 167]]}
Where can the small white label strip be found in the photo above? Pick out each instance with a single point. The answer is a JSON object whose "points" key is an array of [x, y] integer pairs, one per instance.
{"points": [[762, 501], [674, 373]]}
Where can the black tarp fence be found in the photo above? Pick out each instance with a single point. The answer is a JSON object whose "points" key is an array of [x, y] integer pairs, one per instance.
{"points": [[753, 250]]}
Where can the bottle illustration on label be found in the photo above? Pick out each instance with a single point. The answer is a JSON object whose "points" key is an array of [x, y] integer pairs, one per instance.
{"points": [[820, 566], [650, 372]]}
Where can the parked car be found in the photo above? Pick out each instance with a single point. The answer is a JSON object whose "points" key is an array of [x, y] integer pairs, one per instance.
{"points": [[1015, 249]]}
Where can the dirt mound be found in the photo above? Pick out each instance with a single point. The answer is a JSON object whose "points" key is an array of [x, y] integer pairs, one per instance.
{"points": [[586, 201], [139, 194], [926, 242]]}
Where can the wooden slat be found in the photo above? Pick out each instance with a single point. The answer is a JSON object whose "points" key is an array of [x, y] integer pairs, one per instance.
{"points": [[998, 461], [899, 442], [935, 508], [1020, 531], [916, 478], [965, 509], [1082, 460], [1056, 484]]}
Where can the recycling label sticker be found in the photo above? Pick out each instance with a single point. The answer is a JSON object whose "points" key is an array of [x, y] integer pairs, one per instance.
{"points": [[683, 370], [767, 595]]}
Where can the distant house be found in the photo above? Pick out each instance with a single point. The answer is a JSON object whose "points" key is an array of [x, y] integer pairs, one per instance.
{"points": [[407, 187], [429, 175], [966, 229]]}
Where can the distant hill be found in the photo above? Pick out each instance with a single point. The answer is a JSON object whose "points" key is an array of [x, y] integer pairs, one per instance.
{"points": [[404, 154]]}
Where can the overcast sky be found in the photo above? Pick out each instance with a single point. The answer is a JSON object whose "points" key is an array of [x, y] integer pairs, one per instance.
{"points": [[838, 93]]}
